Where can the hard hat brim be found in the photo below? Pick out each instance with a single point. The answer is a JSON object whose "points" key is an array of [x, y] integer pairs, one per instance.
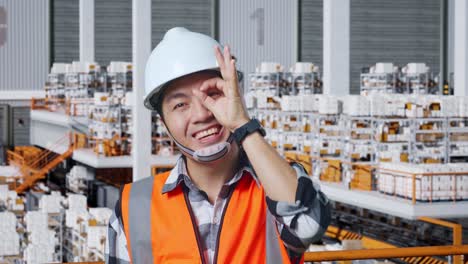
{"points": [[154, 98]]}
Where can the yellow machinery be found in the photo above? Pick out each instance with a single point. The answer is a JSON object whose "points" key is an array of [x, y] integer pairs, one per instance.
{"points": [[34, 167]]}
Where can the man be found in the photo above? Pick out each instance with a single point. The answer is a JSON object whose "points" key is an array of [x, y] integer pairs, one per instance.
{"points": [[231, 198]]}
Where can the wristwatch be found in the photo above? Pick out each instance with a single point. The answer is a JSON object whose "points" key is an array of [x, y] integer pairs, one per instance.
{"points": [[247, 129]]}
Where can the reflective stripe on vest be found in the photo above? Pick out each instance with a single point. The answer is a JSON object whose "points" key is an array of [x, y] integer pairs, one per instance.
{"points": [[136, 203], [159, 228]]}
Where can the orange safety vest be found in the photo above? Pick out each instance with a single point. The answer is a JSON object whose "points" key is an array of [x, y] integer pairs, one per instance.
{"points": [[161, 228]]}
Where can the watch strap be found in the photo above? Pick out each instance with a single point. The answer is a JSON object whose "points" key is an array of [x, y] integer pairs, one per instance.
{"points": [[250, 127]]}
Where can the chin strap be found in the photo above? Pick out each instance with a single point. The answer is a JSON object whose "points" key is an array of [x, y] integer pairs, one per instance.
{"points": [[205, 155]]}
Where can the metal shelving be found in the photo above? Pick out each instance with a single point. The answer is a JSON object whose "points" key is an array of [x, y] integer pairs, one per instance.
{"points": [[380, 83], [429, 140], [457, 134]]}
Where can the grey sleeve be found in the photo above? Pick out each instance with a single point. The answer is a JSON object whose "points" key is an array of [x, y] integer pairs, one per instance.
{"points": [[305, 221], [116, 243]]}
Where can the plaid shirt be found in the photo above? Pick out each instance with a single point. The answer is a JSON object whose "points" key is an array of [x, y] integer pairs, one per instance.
{"points": [[299, 224]]}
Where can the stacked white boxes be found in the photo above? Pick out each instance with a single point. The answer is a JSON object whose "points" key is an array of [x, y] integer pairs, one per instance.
{"points": [[270, 83], [37, 254], [358, 137], [77, 209], [328, 133], [42, 240], [457, 133], [86, 230], [10, 242], [383, 77], [388, 105], [269, 67], [80, 79], [119, 75], [76, 218], [266, 86], [76, 179], [101, 215], [10, 199], [307, 102], [329, 105], [77, 201], [36, 220], [396, 179], [382, 67], [455, 106], [400, 125], [421, 120], [96, 238], [97, 229], [101, 98], [418, 79], [291, 103], [414, 68], [386, 78], [105, 120], [45, 236], [55, 86], [355, 105], [392, 152], [463, 106], [51, 203], [304, 78]]}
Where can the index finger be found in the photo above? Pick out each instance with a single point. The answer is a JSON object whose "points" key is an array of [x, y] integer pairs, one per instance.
{"points": [[220, 59], [212, 83]]}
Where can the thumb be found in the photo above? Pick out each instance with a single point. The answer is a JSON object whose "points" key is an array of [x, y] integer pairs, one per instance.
{"points": [[207, 101]]}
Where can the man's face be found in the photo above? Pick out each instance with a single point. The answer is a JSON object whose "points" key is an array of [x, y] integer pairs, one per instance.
{"points": [[188, 121]]}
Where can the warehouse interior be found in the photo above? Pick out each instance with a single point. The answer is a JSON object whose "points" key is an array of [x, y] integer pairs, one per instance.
{"points": [[371, 97]]}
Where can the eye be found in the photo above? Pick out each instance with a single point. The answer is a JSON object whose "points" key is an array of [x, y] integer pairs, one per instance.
{"points": [[214, 94], [179, 105]]}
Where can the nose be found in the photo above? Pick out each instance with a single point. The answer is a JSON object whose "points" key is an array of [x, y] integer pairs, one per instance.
{"points": [[200, 113]]}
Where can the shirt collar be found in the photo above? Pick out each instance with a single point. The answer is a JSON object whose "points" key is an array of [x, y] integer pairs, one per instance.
{"points": [[179, 174]]}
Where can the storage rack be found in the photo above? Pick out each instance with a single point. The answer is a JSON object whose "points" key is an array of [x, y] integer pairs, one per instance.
{"points": [[358, 154], [84, 84], [413, 78], [55, 87], [55, 221], [105, 125], [329, 136], [457, 134], [358, 133], [380, 83], [392, 134], [429, 140], [420, 83], [304, 83], [266, 88], [74, 246]]}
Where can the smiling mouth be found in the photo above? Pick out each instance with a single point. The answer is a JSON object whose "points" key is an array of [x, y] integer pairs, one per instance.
{"points": [[214, 130]]}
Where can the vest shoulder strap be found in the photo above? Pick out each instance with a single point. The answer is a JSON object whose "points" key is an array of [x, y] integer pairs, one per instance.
{"points": [[136, 203]]}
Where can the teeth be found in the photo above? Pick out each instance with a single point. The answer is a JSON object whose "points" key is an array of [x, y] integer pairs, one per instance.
{"points": [[205, 133]]}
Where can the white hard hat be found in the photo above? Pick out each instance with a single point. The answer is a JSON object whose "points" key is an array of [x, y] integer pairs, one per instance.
{"points": [[181, 52]]}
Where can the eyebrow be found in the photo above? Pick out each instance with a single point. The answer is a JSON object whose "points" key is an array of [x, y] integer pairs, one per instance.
{"points": [[173, 96]]}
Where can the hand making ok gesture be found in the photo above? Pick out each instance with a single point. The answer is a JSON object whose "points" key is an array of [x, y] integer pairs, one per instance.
{"points": [[222, 96]]}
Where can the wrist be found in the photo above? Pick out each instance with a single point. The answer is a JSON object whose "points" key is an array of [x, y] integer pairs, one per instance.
{"points": [[252, 126], [239, 124]]}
